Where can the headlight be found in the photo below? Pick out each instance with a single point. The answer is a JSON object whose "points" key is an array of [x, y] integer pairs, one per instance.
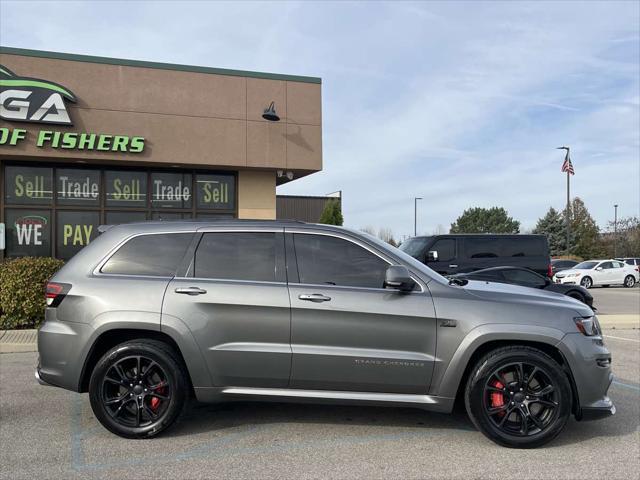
{"points": [[573, 275], [588, 326]]}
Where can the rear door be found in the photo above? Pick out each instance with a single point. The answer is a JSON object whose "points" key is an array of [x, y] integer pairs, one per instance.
{"points": [[234, 299], [348, 332]]}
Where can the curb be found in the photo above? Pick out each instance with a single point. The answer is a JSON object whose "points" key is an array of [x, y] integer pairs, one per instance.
{"points": [[18, 341]]}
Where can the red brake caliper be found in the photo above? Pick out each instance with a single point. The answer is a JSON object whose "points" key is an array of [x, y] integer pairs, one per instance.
{"points": [[497, 398], [155, 401]]}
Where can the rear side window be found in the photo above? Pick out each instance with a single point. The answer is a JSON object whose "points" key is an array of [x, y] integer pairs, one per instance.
{"points": [[248, 256], [150, 255], [523, 277], [326, 260], [494, 247]]}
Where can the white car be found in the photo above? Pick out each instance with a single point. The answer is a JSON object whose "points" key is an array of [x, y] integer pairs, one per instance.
{"points": [[600, 272]]}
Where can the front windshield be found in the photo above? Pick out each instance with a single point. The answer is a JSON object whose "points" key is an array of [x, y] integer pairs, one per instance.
{"points": [[408, 259], [585, 265], [415, 246]]}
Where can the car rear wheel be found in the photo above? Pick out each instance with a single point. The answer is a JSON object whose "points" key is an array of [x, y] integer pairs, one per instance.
{"points": [[586, 282], [629, 281], [138, 388], [518, 397]]}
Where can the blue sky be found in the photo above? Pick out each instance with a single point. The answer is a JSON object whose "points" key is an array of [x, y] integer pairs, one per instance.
{"points": [[460, 103]]}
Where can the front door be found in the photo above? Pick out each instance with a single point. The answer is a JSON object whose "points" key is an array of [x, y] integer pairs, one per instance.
{"points": [[234, 300], [349, 333]]}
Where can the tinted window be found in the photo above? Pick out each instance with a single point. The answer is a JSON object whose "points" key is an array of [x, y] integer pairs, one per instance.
{"points": [[446, 249], [630, 261], [215, 191], [28, 232], [28, 185], [522, 247], [74, 231], [157, 255], [333, 261], [171, 190], [116, 218], [606, 265], [78, 187], [238, 256], [618, 264], [126, 189], [482, 247], [522, 277]]}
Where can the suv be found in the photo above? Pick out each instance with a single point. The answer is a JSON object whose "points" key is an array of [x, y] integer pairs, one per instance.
{"points": [[462, 253], [149, 314]]}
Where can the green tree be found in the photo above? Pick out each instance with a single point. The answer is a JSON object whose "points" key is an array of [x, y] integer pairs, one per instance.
{"points": [[553, 225], [485, 220], [585, 241], [332, 213]]}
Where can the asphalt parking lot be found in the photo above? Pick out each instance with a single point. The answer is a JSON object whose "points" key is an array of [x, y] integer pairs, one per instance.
{"points": [[46, 432], [616, 300]]}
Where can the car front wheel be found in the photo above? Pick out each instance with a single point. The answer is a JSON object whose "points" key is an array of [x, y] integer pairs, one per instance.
{"points": [[629, 281], [586, 282], [519, 397], [138, 388]]}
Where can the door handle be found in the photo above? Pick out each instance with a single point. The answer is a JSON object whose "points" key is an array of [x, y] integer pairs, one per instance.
{"points": [[190, 291], [453, 266], [314, 297]]}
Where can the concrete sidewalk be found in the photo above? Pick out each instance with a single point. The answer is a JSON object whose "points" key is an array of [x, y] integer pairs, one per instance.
{"points": [[17, 341]]}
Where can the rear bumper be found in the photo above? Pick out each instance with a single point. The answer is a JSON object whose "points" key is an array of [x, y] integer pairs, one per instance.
{"points": [[39, 378]]}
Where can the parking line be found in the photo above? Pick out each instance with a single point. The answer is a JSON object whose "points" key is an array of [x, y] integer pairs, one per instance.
{"points": [[632, 387], [622, 338]]}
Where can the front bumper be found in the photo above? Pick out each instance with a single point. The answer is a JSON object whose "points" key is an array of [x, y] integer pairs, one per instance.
{"points": [[605, 409], [590, 364], [567, 280]]}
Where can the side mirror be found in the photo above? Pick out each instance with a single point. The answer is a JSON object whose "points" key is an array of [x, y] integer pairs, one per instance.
{"points": [[599, 269], [432, 256], [398, 277]]}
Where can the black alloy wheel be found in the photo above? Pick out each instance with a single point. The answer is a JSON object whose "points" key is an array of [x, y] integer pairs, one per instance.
{"points": [[518, 396], [520, 399], [136, 391], [138, 388]]}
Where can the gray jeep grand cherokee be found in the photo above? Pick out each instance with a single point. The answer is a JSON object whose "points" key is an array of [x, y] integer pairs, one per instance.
{"points": [[151, 313]]}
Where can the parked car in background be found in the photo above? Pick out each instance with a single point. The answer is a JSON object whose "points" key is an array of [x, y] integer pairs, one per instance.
{"points": [[462, 253], [599, 272], [527, 278], [559, 264], [150, 314]]}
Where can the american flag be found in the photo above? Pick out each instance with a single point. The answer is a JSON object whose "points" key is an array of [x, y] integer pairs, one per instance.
{"points": [[567, 166]]}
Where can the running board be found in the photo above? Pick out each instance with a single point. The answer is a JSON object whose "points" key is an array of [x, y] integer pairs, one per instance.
{"points": [[332, 395]]}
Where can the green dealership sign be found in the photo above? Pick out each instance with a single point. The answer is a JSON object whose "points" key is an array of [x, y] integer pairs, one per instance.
{"points": [[32, 100]]}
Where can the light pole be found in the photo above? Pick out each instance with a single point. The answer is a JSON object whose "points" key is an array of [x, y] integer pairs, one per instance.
{"points": [[615, 230], [415, 215]]}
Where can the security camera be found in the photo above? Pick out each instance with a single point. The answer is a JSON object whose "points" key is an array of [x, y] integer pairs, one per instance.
{"points": [[280, 173], [290, 175]]}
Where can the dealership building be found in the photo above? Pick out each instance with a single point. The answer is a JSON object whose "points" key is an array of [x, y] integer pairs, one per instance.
{"points": [[86, 141]]}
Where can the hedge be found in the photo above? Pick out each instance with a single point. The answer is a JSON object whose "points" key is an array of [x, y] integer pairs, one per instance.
{"points": [[22, 284]]}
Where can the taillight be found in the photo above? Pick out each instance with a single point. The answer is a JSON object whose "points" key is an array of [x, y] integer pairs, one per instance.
{"points": [[55, 293], [550, 271]]}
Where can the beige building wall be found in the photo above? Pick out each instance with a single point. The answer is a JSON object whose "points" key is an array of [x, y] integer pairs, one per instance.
{"points": [[256, 195]]}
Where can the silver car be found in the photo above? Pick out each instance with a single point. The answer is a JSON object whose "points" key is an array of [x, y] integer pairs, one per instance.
{"points": [[151, 314]]}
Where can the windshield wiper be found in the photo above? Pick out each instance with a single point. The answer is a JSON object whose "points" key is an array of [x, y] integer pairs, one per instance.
{"points": [[458, 281]]}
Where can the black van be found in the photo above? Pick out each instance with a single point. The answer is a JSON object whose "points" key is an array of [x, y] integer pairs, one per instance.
{"points": [[461, 253]]}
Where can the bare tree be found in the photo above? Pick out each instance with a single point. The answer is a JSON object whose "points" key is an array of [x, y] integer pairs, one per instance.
{"points": [[368, 229], [386, 235]]}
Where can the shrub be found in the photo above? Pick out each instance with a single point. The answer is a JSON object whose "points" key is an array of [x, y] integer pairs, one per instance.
{"points": [[22, 283]]}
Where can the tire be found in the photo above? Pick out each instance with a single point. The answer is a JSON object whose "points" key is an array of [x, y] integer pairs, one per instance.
{"points": [[586, 282], [493, 402], [577, 295], [629, 281], [159, 395]]}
